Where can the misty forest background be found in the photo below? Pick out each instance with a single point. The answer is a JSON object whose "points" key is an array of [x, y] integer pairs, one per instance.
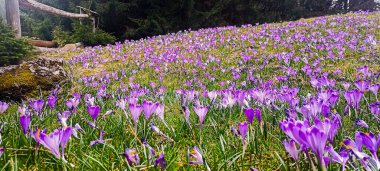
{"points": [[134, 19]]}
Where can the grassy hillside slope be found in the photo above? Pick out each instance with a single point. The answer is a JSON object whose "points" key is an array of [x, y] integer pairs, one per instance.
{"points": [[312, 82]]}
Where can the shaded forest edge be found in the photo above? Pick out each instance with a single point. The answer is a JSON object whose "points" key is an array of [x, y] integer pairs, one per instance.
{"points": [[136, 19]]}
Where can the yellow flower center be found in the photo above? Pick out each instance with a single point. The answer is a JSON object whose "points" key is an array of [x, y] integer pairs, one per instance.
{"points": [[133, 152], [38, 133]]}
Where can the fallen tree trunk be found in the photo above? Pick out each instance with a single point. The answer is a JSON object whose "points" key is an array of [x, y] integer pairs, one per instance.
{"points": [[49, 9], [42, 43]]}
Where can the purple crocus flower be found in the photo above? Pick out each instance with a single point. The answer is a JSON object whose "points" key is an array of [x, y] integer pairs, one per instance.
{"points": [[362, 85], [191, 94], [375, 108], [100, 140], [37, 105], [325, 110], [91, 101], [234, 131], [312, 109], [195, 156], [291, 148], [374, 89], [149, 107], [92, 124], [64, 138], [186, 114], [77, 95], [108, 112], [93, 111], [72, 103], [76, 129], [160, 161], [371, 142], [240, 97], [36, 135], [22, 109], [56, 139], [133, 100], [63, 118], [260, 95], [334, 98], [155, 128], [250, 114], [121, 104], [3, 107], [258, 115], [228, 99], [332, 126], [243, 128], [131, 156], [291, 99], [25, 123], [160, 111], [361, 123], [365, 69], [135, 112], [316, 140], [253, 169], [51, 101], [341, 157], [346, 85], [353, 98], [355, 148], [150, 148], [201, 112], [212, 95], [57, 88], [2, 149]]}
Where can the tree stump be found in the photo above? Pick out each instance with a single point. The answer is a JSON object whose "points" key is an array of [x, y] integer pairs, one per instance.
{"points": [[12, 9]]}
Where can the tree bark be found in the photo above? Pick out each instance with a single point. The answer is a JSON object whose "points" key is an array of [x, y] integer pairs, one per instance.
{"points": [[51, 10], [3, 15], [13, 16]]}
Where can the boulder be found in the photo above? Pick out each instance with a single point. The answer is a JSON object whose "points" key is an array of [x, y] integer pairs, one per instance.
{"points": [[30, 78], [70, 47]]}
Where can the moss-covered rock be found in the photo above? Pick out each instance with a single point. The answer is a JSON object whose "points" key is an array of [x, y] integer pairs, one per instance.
{"points": [[29, 79]]}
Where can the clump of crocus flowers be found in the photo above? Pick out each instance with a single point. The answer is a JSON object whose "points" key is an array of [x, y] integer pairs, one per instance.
{"points": [[252, 113], [37, 105], [314, 137]]}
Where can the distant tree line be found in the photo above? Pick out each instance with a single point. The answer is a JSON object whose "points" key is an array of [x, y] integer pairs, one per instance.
{"points": [[133, 19]]}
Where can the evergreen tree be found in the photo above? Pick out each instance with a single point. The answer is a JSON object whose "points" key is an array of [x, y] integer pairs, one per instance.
{"points": [[365, 5]]}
